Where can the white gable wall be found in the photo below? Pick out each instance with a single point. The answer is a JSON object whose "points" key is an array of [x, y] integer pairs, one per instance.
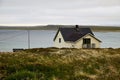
{"points": [[63, 43], [79, 43], [93, 40]]}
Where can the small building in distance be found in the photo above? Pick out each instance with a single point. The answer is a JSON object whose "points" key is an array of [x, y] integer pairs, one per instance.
{"points": [[76, 38]]}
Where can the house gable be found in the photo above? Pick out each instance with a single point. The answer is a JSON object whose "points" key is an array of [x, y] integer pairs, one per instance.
{"points": [[93, 41], [58, 33], [89, 35], [58, 36], [59, 41]]}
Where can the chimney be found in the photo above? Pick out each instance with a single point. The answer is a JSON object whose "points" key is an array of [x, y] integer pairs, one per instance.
{"points": [[76, 27]]}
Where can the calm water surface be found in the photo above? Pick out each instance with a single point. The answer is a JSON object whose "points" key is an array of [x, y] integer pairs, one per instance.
{"points": [[10, 39]]}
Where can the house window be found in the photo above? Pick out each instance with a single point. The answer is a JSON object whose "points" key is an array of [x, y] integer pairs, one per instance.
{"points": [[59, 40], [86, 41]]}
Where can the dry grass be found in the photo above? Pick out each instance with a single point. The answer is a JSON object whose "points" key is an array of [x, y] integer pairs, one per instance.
{"points": [[61, 64]]}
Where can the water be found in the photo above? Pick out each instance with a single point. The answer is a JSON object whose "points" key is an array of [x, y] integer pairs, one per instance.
{"points": [[10, 39], [109, 39]]}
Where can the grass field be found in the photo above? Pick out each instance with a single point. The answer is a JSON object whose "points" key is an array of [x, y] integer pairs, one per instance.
{"points": [[60, 64]]}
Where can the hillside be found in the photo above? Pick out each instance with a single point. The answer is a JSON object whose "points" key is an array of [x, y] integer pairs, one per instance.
{"points": [[55, 27], [61, 64]]}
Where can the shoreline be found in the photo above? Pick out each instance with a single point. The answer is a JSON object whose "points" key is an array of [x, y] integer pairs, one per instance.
{"points": [[93, 28]]}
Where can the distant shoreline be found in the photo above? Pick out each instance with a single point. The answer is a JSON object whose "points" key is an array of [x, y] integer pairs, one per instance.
{"points": [[55, 27]]}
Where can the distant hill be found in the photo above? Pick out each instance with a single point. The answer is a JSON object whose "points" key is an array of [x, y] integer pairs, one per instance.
{"points": [[55, 27]]}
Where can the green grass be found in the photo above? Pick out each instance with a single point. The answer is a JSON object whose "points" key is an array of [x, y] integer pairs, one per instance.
{"points": [[61, 64]]}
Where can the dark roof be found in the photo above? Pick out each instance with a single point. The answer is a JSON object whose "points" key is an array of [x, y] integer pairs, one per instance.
{"points": [[73, 34]]}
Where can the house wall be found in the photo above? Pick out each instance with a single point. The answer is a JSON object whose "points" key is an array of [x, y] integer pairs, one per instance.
{"points": [[63, 43], [77, 44]]}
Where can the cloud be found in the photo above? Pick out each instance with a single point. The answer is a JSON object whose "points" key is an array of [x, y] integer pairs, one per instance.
{"points": [[60, 12], [60, 3]]}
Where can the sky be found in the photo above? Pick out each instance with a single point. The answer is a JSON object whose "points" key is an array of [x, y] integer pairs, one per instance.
{"points": [[64, 12]]}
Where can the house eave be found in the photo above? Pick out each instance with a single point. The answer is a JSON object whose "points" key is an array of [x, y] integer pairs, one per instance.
{"points": [[56, 35]]}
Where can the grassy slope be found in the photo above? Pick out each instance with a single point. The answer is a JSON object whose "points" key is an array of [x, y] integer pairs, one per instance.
{"points": [[61, 64]]}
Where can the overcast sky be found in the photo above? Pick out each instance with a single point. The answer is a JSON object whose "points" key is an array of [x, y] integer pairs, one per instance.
{"points": [[82, 12]]}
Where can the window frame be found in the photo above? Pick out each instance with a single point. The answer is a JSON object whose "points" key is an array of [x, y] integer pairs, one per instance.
{"points": [[59, 40], [86, 41]]}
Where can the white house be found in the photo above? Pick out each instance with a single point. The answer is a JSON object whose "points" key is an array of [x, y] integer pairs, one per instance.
{"points": [[76, 38]]}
